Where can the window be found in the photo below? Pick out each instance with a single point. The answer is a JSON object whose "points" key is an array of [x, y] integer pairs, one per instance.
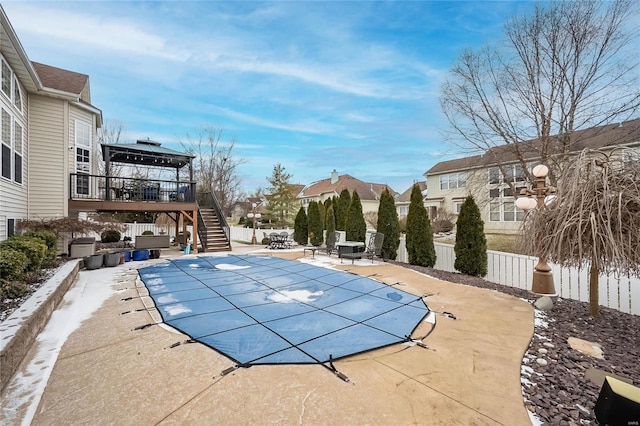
{"points": [[6, 79], [6, 144], [453, 181], [513, 173], [494, 175], [17, 153], [83, 134], [17, 95], [83, 156], [494, 211], [11, 227], [457, 207]]}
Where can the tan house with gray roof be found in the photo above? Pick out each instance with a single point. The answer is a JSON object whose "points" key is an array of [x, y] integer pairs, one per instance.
{"points": [[403, 200], [49, 131], [322, 190], [450, 182]]}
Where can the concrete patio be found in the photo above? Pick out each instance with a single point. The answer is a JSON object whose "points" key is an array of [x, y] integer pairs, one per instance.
{"points": [[108, 371]]}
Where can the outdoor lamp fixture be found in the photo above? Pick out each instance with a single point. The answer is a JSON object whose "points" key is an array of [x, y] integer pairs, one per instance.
{"points": [[530, 199], [253, 215]]}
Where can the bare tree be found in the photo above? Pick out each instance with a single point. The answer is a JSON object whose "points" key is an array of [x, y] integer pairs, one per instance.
{"points": [[215, 167], [111, 132], [567, 66], [371, 219], [594, 219]]}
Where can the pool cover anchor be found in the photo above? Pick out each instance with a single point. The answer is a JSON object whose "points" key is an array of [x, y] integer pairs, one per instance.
{"points": [[340, 375], [142, 327], [176, 344]]}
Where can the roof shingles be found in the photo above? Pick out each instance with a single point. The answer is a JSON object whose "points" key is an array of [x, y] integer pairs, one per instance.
{"points": [[366, 191], [592, 138], [60, 79]]}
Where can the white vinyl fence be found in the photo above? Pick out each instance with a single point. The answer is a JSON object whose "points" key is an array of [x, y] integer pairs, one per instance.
{"points": [[133, 229], [513, 270], [617, 292]]}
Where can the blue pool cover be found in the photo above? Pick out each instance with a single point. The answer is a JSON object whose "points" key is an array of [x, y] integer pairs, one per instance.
{"points": [[266, 310]]}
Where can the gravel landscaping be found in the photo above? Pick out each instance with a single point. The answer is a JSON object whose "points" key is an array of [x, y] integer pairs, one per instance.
{"points": [[554, 385]]}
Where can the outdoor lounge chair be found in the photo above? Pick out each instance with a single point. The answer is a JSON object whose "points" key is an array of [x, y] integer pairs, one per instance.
{"points": [[329, 247], [374, 249]]}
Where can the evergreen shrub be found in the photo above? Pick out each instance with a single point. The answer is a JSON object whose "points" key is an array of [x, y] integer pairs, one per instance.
{"points": [[355, 226], [301, 227], [113, 236], [316, 237], [419, 239], [13, 263], [471, 243], [388, 224], [34, 249]]}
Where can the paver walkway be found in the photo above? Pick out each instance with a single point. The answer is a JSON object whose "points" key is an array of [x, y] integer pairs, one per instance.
{"points": [[108, 372]]}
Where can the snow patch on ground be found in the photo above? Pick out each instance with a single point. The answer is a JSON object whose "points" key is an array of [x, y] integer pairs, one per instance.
{"points": [[541, 319], [87, 294]]}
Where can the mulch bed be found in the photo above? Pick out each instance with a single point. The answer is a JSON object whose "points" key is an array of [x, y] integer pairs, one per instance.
{"points": [[558, 392]]}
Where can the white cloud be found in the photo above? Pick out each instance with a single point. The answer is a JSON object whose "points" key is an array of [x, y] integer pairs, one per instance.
{"points": [[76, 29]]}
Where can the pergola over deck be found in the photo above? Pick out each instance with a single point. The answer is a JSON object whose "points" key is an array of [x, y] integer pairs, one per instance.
{"points": [[135, 194], [146, 153]]}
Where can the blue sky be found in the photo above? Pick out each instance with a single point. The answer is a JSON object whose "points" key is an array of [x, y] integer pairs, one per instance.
{"points": [[315, 86]]}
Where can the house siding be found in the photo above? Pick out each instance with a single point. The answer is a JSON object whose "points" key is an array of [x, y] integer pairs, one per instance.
{"points": [[49, 155], [611, 139], [13, 195]]}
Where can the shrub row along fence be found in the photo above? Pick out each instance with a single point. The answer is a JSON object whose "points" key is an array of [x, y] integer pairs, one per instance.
{"points": [[621, 293], [617, 292]]}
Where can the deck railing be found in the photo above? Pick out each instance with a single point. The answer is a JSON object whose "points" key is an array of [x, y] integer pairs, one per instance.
{"points": [[115, 188]]}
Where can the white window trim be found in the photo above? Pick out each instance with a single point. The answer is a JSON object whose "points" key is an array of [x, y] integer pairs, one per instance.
{"points": [[11, 74]]}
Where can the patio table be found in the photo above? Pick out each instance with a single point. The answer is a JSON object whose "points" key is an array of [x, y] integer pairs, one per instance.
{"points": [[279, 241], [349, 247]]}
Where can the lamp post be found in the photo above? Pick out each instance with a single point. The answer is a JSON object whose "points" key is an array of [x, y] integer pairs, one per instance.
{"points": [[530, 199], [253, 215]]}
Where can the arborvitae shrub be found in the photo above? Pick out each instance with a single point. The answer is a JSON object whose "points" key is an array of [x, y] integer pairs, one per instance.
{"points": [[471, 242], [419, 239], [301, 227], [331, 227], [355, 226], [316, 237], [343, 207], [388, 225]]}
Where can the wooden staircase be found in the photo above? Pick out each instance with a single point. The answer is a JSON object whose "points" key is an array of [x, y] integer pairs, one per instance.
{"points": [[216, 239]]}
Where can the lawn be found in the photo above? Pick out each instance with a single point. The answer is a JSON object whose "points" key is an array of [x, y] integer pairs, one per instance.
{"points": [[497, 242]]}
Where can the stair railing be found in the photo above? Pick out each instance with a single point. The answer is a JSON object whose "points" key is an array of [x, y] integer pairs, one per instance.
{"points": [[208, 199], [202, 230]]}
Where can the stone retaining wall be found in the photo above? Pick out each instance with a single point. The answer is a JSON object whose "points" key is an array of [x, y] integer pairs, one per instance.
{"points": [[19, 331]]}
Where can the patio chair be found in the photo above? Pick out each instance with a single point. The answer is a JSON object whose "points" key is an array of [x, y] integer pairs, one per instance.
{"points": [[330, 245], [374, 249]]}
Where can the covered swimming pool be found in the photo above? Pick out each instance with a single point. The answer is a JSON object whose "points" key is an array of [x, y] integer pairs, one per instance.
{"points": [[267, 310]]}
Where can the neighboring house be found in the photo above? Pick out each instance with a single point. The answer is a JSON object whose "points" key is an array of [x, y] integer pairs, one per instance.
{"points": [[450, 182], [48, 132], [403, 200], [369, 193]]}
